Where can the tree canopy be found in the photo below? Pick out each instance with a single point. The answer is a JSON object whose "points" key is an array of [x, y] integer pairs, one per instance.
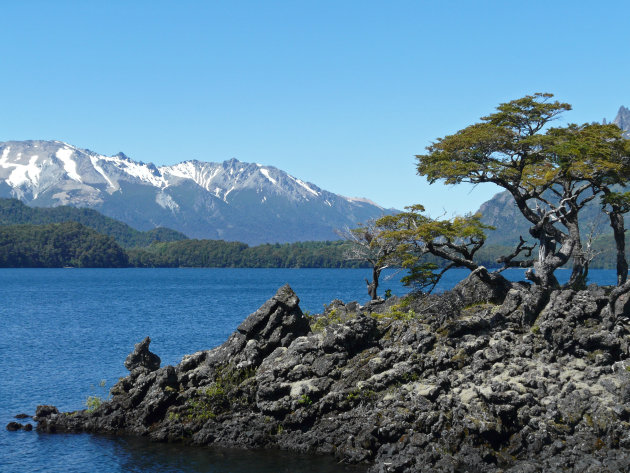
{"points": [[551, 172]]}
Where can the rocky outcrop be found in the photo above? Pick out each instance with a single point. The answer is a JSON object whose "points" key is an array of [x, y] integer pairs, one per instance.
{"points": [[622, 120], [142, 358], [490, 377]]}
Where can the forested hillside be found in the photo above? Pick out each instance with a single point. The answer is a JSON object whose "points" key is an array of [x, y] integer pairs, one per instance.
{"points": [[221, 254], [57, 245], [13, 212]]}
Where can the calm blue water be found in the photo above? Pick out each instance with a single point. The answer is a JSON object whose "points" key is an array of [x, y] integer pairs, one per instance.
{"points": [[64, 331]]}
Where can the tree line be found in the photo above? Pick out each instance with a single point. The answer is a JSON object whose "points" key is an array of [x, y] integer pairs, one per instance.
{"points": [[72, 244], [14, 212], [225, 254], [58, 245]]}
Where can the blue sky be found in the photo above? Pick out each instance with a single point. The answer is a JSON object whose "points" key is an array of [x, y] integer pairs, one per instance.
{"points": [[338, 93]]}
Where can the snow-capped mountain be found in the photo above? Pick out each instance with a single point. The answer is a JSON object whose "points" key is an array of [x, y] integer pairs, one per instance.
{"points": [[230, 200]]}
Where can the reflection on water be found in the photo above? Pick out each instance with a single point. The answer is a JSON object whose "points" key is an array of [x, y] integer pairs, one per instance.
{"points": [[141, 455]]}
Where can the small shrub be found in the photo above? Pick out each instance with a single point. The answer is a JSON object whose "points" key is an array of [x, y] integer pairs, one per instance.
{"points": [[93, 403], [305, 400]]}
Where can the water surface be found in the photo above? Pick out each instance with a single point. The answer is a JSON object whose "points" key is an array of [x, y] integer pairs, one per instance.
{"points": [[64, 331]]}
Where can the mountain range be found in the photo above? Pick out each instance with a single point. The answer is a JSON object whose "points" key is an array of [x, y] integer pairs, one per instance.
{"points": [[231, 200]]}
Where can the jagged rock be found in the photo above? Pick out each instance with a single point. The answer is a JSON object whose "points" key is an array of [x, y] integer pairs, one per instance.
{"points": [[482, 286], [482, 378], [42, 412], [141, 357]]}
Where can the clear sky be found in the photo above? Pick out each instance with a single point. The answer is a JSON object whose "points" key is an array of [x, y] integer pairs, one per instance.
{"points": [[338, 93]]}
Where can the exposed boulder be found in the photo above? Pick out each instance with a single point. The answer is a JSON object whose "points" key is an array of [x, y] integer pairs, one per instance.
{"points": [[141, 357], [490, 377]]}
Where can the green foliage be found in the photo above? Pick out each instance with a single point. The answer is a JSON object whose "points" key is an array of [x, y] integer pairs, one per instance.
{"points": [[325, 320], [220, 396], [58, 245], [14, 212], [305, 400], [415, 236], [552, 173], [223, 254], [93, 402], [396, 312], [361, 395]]}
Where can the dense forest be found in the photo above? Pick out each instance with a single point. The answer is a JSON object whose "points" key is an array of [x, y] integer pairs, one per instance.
{"points": [[222, 254], [68, 236], [13, 212], [57, 245]]}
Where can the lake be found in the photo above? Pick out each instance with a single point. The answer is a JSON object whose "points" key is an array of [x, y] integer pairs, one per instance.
{"points": [[64, 331]]}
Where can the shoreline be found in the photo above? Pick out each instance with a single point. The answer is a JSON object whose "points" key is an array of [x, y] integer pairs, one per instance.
{"points": [[284, 381]]}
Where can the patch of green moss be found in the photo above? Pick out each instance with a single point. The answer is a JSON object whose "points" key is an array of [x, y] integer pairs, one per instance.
{"points": [[305, 400], [332, 318], [220, 396]]}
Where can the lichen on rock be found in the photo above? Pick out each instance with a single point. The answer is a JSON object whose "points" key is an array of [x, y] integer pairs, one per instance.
{"points": [[489, 379]]}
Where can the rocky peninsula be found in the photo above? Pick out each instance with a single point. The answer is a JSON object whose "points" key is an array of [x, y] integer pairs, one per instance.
{"points": [[489, 377]]}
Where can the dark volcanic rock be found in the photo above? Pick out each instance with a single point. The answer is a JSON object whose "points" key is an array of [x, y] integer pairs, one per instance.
{"points": [[490, 377], [141, 357], [14, 426]]}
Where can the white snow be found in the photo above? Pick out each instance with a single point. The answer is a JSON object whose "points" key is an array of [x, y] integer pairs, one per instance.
{"points": [[327, 202], [166, 201], [137, 170], [362, 200], [305, 186], [25, 174], [202, 176], [22, 173], [100, 170], [265, 173], [69, 165], [5, 154], [226, 194]]}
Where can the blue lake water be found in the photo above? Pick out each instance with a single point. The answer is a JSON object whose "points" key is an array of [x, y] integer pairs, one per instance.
{"points": [[66, 330]]}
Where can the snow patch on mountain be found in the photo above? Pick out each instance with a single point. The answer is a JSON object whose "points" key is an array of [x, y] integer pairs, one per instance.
{"points": [[65, 156], [305, 186], [232, 200], [95, 164], [166, 201], [362, 200], [265, 173]]}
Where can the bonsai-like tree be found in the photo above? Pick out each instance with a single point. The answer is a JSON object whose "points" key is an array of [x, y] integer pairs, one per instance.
{"points": [[552, 174], [416, 236]]}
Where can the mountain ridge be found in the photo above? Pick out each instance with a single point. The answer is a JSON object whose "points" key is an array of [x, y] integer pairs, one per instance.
{"points": [[15, 212], [231, 200]]}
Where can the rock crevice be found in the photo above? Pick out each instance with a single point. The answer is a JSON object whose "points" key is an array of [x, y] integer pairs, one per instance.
{"points": [[499, 378]]}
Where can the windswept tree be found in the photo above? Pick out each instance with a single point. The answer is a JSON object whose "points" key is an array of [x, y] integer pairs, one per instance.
{"points": [[615, 205], [552, 174], [416, 236], [368, 245]]}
